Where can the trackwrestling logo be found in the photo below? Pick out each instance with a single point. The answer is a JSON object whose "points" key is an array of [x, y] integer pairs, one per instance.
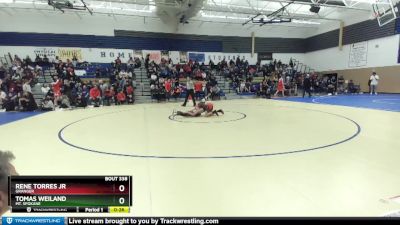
{"points": [[33, 220]]}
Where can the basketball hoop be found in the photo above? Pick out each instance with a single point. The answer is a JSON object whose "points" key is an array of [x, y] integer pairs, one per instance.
{"points": [[383, 11]]}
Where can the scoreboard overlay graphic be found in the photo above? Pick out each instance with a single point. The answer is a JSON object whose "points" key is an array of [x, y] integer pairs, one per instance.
{"points": [[86, 194]]}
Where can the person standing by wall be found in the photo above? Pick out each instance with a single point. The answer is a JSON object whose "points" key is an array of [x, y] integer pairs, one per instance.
{"points": [[374, 83], [307, 86], [189, 91], [281, 86]]}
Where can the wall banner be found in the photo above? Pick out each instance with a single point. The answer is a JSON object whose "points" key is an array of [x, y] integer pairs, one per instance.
{"points": [[199, 57], [69, 53], [49, 52], [358, 54]]}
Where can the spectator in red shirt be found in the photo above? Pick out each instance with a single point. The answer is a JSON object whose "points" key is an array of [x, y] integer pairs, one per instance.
{"points": [[198, 89], [187, 69], [121, 97], [109, 94], [57, 90], [129, 94], [95, 96], [177, 92], [168, 88]]}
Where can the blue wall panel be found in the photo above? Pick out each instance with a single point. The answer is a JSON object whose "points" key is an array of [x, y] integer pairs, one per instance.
{"points": [[91, 41], [397, 26]]}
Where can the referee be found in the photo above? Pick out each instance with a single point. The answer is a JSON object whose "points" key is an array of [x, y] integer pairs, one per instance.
{"points": [[189, 91]]}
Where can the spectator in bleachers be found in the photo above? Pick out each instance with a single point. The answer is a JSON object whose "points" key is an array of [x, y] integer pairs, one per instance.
{"points": [[47, 92], [57, 90], [27, 102], [138, 62], [340, 84], [28, 60], [330, 89], [131, 64], [69, 64], [3, 99], [54, 61], [198, 89], [177, 92], [74, 60], [102, 86], [121, 97], [95, 96], [38, 60], [108, 96], [168, 88], [64, 102], [118, 63], [235, 71], [98, 73], [81, 99], [3, 72], [248, 85], [351, 87], [214, 93], [146, 62], [153, 78], [10, 102], [26, 87], [129, 94], [47, 104], [242, 87], [46, 60], [281, 86], [17, 74]]}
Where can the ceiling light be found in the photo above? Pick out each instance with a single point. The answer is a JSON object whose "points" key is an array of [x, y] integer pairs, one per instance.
{"points": [[305, 22], [223, 17]]}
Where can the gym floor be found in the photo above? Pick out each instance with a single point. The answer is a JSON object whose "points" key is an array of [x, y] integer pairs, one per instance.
{"points": [[262, 158]]}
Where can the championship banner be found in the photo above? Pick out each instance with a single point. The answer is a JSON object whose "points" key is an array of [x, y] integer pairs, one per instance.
{"points": [[138, 54], [217, 57], [183, 57], [69, 53], [50, 53], [80, 73], [154, 55], [199, 57], [358, 54], [165, 55], [264, 56], [174, 56]]}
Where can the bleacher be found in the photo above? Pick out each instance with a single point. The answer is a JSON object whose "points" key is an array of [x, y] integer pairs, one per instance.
{"points": [[48, 72], [142, 89]]}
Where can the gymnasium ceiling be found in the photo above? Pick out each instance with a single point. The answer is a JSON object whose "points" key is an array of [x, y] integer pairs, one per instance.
{"points": [[175, 12]]}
